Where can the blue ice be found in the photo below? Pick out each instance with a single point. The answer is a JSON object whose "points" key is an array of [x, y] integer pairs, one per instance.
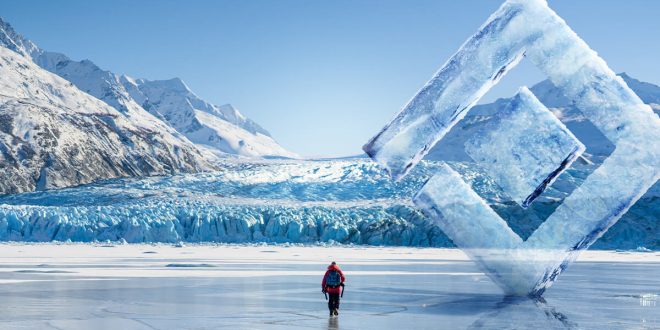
{"points": [[525, 148], [531, 29]]}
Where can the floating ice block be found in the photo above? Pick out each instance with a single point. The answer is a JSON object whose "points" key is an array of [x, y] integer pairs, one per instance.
{"points": [[525, 148]]}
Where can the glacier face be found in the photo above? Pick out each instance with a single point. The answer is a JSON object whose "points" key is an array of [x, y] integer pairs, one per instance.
{"points": [[348, 201]]}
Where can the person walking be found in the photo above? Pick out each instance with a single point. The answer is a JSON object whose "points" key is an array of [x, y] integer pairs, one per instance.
{"points": [[333, 285]]}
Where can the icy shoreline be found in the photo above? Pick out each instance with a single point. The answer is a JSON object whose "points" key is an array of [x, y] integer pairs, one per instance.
{"points": [[248, 286], [30, 254]]}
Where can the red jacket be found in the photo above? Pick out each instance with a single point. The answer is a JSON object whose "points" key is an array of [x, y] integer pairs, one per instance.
{"points": [[337, 289]]}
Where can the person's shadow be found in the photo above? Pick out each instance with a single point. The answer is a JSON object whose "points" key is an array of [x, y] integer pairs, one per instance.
{"points": [[523, 313]]}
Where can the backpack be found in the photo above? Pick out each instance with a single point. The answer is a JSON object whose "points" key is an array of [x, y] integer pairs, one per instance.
{"points": [[333, 279]]}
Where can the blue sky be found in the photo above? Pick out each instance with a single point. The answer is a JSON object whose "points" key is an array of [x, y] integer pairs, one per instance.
{"points": [[321, 76]]}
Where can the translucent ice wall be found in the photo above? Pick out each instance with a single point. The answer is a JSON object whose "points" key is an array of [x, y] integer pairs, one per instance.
{"points": [[531, 28]]}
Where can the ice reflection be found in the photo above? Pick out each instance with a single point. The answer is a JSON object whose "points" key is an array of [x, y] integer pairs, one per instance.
{"points": [[333, 323], [524, 313], [648, 300]]}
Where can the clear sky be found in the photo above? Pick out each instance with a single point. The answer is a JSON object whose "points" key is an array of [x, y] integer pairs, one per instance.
{"points": [[321, 76]]}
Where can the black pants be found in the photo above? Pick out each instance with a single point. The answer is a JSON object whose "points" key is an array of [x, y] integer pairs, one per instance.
{"points": [[333, 301]]}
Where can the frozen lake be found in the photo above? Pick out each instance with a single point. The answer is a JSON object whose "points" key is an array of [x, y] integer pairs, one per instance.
{"points": [[77, 286]]}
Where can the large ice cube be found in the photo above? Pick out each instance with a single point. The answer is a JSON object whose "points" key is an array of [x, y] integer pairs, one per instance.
{"points": [[524, 148]]}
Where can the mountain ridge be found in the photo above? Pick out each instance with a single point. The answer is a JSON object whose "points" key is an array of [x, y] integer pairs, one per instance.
{"points": [[53, 135], [112, 89]]}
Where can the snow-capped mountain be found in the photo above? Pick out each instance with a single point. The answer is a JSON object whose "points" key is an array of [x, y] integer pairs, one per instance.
{"points": [[15, 42], [222, 130], [451, 147], [54, 135], [216, 128]]}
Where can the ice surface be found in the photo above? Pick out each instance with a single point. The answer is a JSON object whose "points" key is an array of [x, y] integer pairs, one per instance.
{"points": [[532, 28], [525, 148], [119, 287]]}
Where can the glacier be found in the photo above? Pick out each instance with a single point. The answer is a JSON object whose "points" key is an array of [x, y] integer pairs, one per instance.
{"points": [[343, 201]]}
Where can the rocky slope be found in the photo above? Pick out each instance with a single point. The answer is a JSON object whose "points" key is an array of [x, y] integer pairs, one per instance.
{"points": [[54, 135], [222, 130], [219, 129]]}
